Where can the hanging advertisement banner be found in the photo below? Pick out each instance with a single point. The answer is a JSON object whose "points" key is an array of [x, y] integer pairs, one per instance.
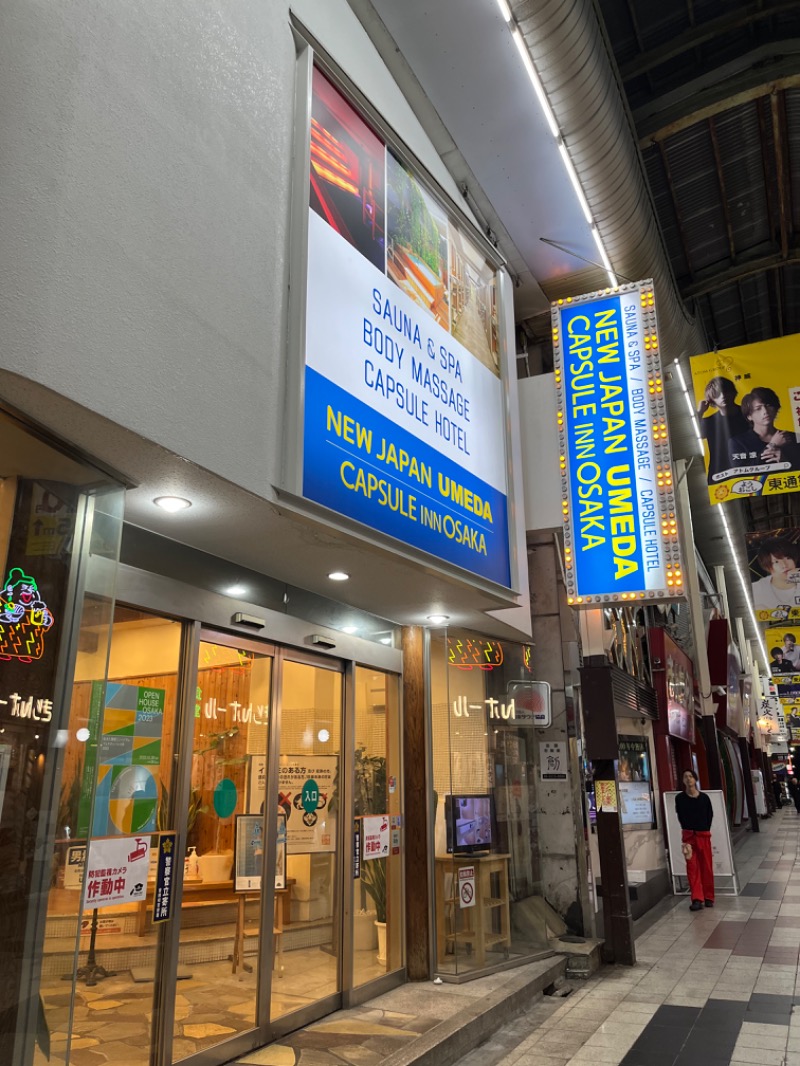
{"points": [[783, 649], [404, 403], [620, 526], [774, 558], [748, 407], [673, 680]]}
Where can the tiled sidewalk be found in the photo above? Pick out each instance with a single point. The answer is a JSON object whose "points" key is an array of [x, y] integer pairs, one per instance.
{"points": [[713, 987]]}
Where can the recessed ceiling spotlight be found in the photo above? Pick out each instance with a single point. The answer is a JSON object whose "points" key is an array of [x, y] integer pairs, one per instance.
{"points": [[172, 504], [236, 590], [386, 640], [349, 629], [338, 575], [82, 734], [437, 619], [323, 736]]}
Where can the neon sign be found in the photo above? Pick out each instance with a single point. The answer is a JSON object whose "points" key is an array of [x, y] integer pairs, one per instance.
{"points": [[468, 654], [24, 618]]}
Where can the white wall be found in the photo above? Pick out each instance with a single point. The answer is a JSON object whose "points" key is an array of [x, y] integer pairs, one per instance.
{"points": [[144, 209], [540, 469]]}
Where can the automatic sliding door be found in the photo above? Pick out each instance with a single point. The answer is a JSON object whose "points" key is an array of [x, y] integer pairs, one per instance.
{"points": [[309, 805], [216, 994]]}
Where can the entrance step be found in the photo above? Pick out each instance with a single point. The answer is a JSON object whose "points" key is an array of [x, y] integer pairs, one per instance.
{"points": [[450, 1040]]}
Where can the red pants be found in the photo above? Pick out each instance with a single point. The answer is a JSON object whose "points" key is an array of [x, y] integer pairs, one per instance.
{"points": [[700, 868]]}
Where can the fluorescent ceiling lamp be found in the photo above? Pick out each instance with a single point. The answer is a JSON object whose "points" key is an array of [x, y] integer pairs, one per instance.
{"points": [[689, 404], [538, 88], [172, 504], [505, 10], [573, 177], [349, 629]]}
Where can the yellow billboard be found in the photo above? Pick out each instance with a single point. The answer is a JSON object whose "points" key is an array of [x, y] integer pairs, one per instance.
{"points": [[748, 411]]}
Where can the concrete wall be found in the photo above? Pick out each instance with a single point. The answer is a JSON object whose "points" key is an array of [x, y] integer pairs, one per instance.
{"points": [[144, 210], [560, 804]]}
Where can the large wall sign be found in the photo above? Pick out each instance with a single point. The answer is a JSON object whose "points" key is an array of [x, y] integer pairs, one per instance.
{"points": [[748, 406], [620, 526], [404, 426]]}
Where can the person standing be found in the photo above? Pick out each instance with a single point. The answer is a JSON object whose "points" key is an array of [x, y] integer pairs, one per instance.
{"points": [[717, 428], [794, 792], [695, 815]]}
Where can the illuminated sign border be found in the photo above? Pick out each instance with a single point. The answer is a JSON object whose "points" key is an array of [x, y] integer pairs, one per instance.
{"points": [[658, 439]]}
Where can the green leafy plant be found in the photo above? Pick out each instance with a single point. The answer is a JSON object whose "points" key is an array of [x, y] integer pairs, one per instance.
{"points": [[369, 798], [373, 878]]}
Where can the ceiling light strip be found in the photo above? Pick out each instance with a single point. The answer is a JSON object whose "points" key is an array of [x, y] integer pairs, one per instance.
{"points": [[544, 103]]}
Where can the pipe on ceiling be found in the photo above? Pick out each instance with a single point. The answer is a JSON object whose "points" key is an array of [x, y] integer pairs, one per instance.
{"points": [[578, 71]]}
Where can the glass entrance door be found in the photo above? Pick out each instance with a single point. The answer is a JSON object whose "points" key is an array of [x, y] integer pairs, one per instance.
{"points": [[310, 804], [221, 918]]}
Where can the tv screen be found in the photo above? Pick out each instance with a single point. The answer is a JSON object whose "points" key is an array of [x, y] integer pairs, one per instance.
{"points": [[469, 823]]}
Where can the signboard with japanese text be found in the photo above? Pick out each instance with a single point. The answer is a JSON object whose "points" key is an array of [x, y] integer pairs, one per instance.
{"points": [[748, 409], [116, 871], [404, 400], [620, 525], [636, 802], [553, 764], [375, 836], [165, 871], [305, 789], [774, 559]]}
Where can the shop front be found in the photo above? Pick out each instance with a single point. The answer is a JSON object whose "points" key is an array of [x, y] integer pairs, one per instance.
{"points": [[227, 855], [489, 767]]}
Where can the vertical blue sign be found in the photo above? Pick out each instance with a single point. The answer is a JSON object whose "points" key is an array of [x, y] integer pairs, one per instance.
{"points": [[620, 535]]}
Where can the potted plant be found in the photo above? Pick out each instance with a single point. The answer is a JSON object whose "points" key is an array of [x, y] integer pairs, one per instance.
{"points": [[370, 798]]}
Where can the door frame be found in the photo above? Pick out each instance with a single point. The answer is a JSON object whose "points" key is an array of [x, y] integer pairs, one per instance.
{"points": [[212, 615]]}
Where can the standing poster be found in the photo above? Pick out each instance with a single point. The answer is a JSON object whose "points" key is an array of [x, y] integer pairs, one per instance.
{"points": [[774, 558], [128, 760], [404, 402], [748, 410], [305, 790]]}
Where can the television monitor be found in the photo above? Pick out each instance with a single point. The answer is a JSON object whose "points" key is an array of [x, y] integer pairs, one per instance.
{"points": [[470, 824]]}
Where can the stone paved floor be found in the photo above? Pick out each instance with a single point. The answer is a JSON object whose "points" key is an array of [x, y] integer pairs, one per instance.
{"points": [[709, 988]]}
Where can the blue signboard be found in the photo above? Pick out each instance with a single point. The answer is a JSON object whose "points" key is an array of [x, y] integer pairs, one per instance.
{"points": [[404, 405], [620, 525]]}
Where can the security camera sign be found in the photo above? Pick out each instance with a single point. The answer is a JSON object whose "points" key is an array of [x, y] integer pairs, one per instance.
{"points": [[117, 871]]}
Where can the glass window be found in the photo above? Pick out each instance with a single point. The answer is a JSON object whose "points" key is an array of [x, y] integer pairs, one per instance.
{"points": [[378, 931], [485, 767]]}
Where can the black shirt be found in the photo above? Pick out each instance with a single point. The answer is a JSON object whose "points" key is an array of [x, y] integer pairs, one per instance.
{"points": [[695, 813], [718, 430]]}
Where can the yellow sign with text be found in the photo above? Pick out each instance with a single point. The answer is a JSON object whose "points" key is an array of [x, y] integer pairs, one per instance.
{"points": [[748, 411]]}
